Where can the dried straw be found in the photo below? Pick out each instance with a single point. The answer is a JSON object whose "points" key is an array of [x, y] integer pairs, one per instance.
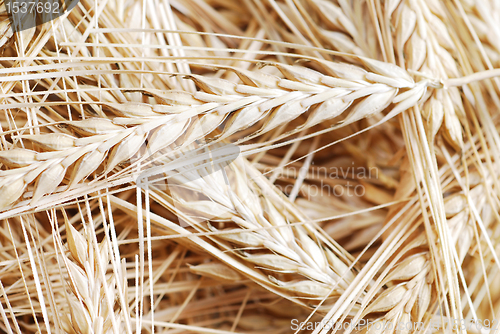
{"points": [[364, 187]]}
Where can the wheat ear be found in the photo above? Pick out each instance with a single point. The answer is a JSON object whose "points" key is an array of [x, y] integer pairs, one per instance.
{"points": [[102, 139]]}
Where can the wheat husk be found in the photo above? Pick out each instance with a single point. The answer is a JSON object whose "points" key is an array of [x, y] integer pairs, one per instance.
{"points": [[104, 230]]}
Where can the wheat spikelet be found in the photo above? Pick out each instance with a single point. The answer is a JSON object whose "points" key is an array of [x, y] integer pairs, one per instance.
{"points": [[92, 301]]}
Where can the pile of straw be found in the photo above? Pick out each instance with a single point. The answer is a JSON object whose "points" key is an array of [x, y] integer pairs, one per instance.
{"points": [[252, 166]]}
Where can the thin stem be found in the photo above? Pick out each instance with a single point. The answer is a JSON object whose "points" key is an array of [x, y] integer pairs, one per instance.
{"points": [[483, 75]]}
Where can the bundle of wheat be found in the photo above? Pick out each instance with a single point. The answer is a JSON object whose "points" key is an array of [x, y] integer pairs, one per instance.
{"points": [[256, 166]]}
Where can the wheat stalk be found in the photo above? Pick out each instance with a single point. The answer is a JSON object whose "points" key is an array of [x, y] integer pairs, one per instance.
{"points": [[101, 99]]}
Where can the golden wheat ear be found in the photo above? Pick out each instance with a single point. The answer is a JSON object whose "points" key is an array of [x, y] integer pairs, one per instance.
{"points": [[267, 166]]}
